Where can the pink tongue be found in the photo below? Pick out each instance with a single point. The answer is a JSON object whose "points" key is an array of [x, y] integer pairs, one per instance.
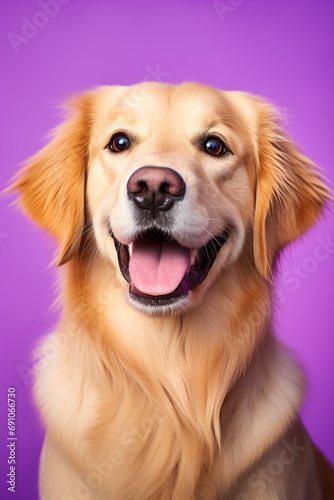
{"points": [[157, 267]]}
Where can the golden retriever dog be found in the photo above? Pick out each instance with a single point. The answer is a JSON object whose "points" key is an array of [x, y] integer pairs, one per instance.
{"points": [[170, 206]]}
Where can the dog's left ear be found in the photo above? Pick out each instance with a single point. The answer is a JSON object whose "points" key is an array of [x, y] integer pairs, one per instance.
{"points": [[52, 185], [290, 193]]}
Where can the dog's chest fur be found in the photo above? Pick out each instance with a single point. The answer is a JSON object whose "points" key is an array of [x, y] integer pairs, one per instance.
{"points": [[148, 415]]}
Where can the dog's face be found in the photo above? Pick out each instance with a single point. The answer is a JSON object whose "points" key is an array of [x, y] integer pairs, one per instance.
{"points": [[170, 187], [175, 181]]}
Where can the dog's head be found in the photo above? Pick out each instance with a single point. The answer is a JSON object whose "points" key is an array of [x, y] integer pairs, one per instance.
{"points": [[175, 182]]}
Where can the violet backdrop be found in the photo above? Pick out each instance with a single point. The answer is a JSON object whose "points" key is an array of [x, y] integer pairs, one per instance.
{"points": [[281, 50]]}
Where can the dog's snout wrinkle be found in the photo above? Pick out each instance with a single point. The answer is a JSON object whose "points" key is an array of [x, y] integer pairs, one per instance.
{"points": [[155, 188]]}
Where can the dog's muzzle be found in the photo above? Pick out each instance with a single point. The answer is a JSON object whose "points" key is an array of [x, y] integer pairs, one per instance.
{"points": [[159, 269]]}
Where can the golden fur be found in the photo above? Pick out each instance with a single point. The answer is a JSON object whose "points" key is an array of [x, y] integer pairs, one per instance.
{"points": [[191, 402]]}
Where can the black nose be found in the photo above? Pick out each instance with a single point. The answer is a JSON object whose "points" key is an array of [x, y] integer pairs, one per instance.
{"points": [[155, 188]]}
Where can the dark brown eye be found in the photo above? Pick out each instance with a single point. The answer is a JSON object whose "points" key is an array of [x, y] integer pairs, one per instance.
{"points": [[119, 142], [214, 146]]}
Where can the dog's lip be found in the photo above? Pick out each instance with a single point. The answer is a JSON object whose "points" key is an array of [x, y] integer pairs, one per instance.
{"points": [[200, 259]]}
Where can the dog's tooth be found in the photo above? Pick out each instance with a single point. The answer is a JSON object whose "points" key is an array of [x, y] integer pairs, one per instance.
{"points": [[193, 255], [130, 248]]}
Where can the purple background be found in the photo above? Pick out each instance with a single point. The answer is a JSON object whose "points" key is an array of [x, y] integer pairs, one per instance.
{"points": [[282, 50]]}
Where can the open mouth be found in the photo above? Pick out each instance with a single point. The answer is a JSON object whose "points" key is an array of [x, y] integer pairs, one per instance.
{"points": [[159, 270]]}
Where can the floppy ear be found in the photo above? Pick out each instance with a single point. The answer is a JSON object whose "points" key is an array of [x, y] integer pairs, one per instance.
{"points": [[290, 193], [52, 185]]}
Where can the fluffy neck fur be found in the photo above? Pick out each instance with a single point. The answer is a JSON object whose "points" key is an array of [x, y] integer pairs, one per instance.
{"points": [[174, 389]]}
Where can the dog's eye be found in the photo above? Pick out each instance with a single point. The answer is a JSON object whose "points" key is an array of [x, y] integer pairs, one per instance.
{"points": [[214, 146], [119, 142]]}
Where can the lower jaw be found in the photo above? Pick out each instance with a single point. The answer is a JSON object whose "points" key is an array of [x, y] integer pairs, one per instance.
{"points": [[161, 305], [170, 299]]}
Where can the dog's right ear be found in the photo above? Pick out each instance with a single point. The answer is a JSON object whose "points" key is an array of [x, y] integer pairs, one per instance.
{"points": [[52, 185]]}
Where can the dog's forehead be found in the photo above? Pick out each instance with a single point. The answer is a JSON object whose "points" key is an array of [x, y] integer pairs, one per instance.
{"points": [[189, 106]]}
